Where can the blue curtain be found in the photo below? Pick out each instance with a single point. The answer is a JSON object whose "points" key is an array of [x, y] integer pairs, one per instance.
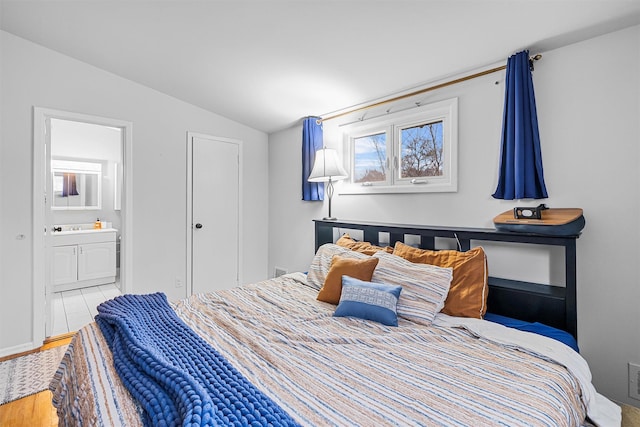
{"points": [[521, 174], [311, 142]]}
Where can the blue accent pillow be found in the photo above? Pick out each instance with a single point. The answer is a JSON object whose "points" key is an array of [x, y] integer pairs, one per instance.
{"points": [[535, 327], [367, 300]]}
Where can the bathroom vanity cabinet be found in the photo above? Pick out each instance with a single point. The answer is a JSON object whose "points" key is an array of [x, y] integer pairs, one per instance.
{"points": [[83, 258]]}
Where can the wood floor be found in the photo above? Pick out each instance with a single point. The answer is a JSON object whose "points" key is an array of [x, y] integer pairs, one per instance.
{"points": [[35, 410]]}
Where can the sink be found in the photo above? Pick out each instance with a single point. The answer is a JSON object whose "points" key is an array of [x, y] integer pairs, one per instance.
{"points": [[80, 229], [86, 231]]}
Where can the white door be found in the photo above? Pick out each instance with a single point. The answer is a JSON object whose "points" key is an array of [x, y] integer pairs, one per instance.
{"points": [[214, 224]]}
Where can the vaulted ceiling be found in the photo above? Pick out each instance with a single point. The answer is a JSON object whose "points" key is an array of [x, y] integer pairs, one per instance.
{"points": [[267, 63]]}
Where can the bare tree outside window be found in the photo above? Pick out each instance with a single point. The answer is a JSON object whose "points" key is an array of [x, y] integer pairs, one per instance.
{"points": [[370, 158], [421, 148]]}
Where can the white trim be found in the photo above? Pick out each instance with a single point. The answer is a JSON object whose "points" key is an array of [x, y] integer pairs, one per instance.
{"points": [[9, 351], [40, 279], [445, 111], [189, 219], [39, 273]]}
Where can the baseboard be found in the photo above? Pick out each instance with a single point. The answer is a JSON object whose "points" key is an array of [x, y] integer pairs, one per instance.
{"points": [[9, 351], [23, 350], [84, 284], [55, 338]]}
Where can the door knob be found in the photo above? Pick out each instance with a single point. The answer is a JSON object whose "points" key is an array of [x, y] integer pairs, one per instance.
{"points": [[198, 226]]}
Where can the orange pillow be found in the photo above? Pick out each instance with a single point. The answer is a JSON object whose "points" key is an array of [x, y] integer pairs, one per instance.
{"points": [[363, 247], [361, 269], [468, 293]]}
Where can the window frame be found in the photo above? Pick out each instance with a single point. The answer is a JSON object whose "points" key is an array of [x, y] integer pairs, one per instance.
{"points": [[392, 125]]}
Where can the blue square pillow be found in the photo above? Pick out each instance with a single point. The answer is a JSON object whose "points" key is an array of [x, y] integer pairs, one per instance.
{"points": [[371, 301]]}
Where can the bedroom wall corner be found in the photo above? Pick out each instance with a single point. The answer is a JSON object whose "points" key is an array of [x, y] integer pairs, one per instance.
{"points": [[290, 218], [591, 100], [588, 99]]}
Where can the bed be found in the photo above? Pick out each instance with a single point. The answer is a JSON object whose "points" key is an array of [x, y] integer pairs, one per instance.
{"points": [[287, 358]]}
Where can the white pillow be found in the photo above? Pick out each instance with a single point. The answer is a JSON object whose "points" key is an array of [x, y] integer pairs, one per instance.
{"points": [[322, 262], [424, 287]]}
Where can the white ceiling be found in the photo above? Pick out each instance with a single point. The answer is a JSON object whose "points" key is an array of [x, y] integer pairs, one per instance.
{"points": [[268, 63]]}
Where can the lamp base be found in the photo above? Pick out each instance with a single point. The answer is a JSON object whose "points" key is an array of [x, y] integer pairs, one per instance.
{"points": [[329, 218]]}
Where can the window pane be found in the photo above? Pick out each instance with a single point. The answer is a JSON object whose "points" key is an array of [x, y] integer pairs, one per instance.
{"points": [[370, 157], [421, 148]]}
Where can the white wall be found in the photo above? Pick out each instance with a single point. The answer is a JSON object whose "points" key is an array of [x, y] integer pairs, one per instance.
{"points": [[588, 99], [35, 76]]}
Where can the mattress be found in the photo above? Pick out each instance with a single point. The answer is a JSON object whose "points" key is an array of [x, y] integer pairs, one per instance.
{"points": [[324, 370]]}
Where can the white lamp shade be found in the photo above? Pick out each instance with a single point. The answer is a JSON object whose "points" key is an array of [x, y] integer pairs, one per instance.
{"points": [[327, 167]]}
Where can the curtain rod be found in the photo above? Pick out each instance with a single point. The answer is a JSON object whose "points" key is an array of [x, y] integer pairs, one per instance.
{"points": [[425, 90]]}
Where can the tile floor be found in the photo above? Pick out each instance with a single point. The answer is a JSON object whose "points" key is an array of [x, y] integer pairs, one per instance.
{"points": [[74, 309]]}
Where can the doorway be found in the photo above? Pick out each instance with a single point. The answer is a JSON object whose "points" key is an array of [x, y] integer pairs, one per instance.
{"points": [[82, 171], [214, 171]]}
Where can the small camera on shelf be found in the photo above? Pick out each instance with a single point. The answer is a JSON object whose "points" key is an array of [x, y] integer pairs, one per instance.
{"points": [[529, 213]]}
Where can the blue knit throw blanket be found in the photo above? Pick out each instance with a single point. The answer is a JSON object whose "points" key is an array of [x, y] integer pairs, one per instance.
{"points": [[176, 376]]}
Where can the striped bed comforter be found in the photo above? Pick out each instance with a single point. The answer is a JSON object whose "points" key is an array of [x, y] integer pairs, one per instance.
{"points": [[337, 371]]}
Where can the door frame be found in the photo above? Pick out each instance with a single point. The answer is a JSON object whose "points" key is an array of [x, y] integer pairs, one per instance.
{"points": [[41, 279], [189, 218]]}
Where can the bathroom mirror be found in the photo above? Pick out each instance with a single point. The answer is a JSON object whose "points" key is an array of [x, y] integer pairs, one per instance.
{"points": [[76, 185]]}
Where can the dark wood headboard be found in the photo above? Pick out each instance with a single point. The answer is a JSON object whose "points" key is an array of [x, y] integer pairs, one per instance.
{"points": [[532, 302]]}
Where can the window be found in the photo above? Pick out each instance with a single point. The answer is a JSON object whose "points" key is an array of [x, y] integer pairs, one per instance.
{"points": [[370, 158], [404, 152]]}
